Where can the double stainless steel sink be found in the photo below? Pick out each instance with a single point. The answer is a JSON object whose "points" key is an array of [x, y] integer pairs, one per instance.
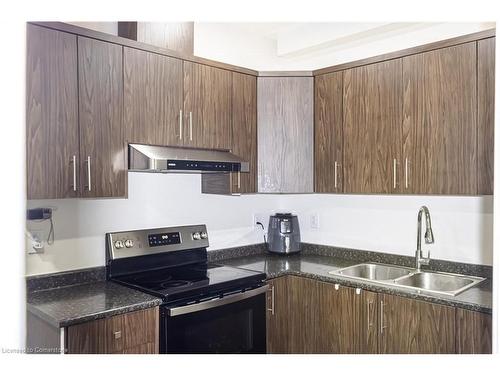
{"points": [[410, 278]]}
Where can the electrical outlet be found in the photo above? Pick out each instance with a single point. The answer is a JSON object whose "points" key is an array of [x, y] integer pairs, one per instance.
{"points": [[314, 221], [257, 218]]}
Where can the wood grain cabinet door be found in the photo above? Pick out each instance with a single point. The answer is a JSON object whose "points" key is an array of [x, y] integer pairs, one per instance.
{"points": [[207, 106], [485, 114], [244, 133], [366, 317], [278, 337], [328, 134], [439, 127], [336, 324], [102, 146], [408, 326], [372, 128], [285, 137], [51, 114], [153, 98], [130, 333], [473, 331]]}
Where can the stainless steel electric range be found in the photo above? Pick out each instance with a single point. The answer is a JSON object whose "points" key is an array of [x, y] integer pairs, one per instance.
{"points": [[207, 308]]}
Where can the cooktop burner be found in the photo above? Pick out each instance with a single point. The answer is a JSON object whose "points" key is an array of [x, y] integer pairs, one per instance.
{"points": [[178, 282]]}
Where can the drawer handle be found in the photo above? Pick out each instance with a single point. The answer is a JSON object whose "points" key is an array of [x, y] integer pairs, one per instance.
{"points": [[117, 334]]}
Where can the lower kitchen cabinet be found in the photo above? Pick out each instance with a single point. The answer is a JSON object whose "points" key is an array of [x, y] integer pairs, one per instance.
{"points": [[310, 316], [408, 326], [131, 333], [473, 332], [277, 316]]}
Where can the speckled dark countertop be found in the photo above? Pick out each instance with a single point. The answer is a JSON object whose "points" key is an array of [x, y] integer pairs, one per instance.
{"points": [[478, 298], [65, 306]]}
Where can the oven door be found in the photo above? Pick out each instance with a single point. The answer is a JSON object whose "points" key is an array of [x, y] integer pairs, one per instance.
{"points": [[232, 324]]}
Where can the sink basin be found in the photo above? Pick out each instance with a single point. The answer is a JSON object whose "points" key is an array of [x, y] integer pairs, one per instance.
{"points": [[439, 282], [370, 271], [409, 278]]}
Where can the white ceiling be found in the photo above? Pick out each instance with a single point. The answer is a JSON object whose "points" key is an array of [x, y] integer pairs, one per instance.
{"points": [[313, 45]]}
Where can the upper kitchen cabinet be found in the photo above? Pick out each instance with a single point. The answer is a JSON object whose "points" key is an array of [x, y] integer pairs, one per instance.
{"points": [[439, 127], [51, 114], [285, 134], [245, 129], [153, 98], [102, 143], [207, 106], [328, 137], [372, 102], [244, 141], [485, 114]]}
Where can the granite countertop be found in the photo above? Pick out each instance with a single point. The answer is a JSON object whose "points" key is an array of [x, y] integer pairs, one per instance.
{"points": [[68, 305], [478, 298]]}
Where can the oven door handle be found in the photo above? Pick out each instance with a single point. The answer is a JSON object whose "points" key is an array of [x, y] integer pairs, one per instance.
{"points": [[216, 302]]}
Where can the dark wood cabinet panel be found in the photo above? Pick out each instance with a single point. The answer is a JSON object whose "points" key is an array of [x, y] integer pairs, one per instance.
{"points": [[285, 137], [130, 333], [244, 133], [207, 106], [51, 114], [408, 326], [328, 134], [439, 127], [102, 144], [303, 315], [177, 36], [473, 331], [277, 316], [336, 323], [485, 114], [366, 326], [372, 128], [153, 98]]}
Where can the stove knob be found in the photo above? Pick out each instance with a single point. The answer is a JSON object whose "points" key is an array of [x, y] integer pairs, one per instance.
{"points": [[204, 235], [196, 236], [129, 243], [119, 244]]}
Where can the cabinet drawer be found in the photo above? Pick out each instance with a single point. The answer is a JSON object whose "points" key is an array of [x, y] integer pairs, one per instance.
{"points": [[135, 332]]}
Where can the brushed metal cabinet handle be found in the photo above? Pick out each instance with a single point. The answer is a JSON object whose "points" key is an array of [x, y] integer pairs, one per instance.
{"points": [[117, 335], [73, 160], [272, 301], [180, 124], [382, 327], [335, 175], [239, 180], [89, 186], [369, 321], [394, 162], [190, 125], [406, 173]]}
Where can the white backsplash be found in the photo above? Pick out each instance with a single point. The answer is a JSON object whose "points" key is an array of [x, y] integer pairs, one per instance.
{"points": [[463, 226]]}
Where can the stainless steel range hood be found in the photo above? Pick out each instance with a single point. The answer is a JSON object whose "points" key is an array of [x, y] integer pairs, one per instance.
{"points": [[163, 159]]}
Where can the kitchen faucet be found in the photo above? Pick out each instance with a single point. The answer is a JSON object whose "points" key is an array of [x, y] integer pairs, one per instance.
{"points": [[429, 237]]}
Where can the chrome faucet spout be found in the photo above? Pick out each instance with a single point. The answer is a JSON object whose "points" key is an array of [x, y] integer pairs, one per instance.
{"points": [[428, 236]]}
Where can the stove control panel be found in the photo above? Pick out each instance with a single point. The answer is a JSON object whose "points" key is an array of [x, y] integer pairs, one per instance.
{"points": [[158, 240]]}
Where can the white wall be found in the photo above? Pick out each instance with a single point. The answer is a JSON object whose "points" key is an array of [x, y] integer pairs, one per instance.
{"points": [[462, 226], [155, 200]]}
